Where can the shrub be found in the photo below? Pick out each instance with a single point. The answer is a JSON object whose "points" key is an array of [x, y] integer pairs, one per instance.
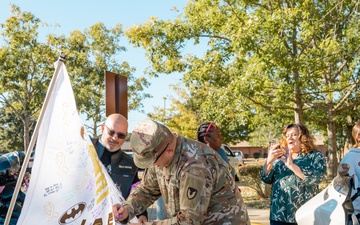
{"points": [[249, 175], [256, 155]]}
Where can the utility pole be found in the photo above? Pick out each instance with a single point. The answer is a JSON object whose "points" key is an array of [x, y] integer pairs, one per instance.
{"points": [[164, 110]]}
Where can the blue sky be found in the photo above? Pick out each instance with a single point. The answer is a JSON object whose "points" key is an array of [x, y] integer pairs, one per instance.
{"points": [[76, 14]]}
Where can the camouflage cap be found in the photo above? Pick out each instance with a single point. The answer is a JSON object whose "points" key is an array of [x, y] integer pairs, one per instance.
{"points": [[147, 141]]}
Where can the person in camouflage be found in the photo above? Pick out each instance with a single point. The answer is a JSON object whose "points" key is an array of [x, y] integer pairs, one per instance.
{"points": [[195, 183]]}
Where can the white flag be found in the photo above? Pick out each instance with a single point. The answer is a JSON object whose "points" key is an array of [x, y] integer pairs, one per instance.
{"points": [[68, 184]]}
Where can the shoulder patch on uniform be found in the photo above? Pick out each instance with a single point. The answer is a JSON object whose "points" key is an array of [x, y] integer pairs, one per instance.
{"points": [[191, 193]]}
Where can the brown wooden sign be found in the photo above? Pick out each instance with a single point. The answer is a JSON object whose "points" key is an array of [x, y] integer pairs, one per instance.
{"points": [[116, 94]]}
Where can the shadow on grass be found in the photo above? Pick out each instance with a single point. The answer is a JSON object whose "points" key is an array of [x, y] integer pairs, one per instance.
{"points": [[252, 200]]}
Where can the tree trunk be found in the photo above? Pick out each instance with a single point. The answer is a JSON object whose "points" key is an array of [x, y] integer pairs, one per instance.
{"points": [[298, 111], [95, 129], [332, 159], [298, 115], [266, 188]]}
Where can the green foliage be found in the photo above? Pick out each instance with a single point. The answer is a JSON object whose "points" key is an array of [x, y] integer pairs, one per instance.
{"points": [[282, 62], [11, 132], [249, 175], [265, 129], [24, 75], [174, 116], [89, 54], [26, 67]]}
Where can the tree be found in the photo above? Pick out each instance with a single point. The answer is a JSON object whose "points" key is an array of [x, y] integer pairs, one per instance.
{"points": [[89, 54], [269, 127], [25, 71], [11, 131], [296, 58], [26, 67], [174, 117]]}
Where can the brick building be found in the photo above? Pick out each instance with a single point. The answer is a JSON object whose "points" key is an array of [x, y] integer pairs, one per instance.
{"points": [[261, 152], [248, 150]]}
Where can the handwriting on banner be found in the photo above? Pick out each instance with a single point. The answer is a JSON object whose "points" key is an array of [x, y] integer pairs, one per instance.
{"points": [[102, 188], [52, 189]]}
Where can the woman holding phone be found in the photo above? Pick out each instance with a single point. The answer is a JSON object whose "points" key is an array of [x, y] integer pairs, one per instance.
{"points": [[295, 169]]}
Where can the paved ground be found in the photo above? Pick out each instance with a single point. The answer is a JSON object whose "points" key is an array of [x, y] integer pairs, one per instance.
{"points": [[257, 216]]}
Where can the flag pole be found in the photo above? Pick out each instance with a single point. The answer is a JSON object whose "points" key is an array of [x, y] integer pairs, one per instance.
{"points": [[29, 150]]}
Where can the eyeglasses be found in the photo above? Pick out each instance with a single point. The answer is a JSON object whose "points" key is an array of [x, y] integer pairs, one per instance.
{"points": [[157, 157], [112, 133], [208, 129]]}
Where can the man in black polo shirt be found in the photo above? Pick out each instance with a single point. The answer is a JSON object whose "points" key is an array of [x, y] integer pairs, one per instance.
{"points": [[119, 165]]}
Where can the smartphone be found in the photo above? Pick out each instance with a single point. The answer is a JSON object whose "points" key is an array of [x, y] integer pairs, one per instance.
{"points": [[283, 145], [273, 142]]}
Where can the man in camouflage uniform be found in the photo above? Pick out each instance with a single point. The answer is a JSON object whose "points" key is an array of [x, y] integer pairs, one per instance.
{"points": [[195, 183]]}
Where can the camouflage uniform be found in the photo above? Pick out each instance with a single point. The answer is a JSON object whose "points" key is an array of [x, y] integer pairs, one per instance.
{"points": [[197, 186]]}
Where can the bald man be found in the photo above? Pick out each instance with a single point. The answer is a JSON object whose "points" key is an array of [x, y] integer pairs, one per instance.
{"points": [[118, 164]]}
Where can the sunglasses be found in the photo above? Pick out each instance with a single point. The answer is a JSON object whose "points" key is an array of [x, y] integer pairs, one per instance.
{"points": [[208, 129], [157, 157], [112, 133]]}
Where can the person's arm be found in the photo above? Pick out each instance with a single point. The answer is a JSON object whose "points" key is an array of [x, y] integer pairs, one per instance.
{"points": [[293, 167], [274, 153], [142, 217], [195, 193], [196, 185], [296, 169], [315, 172], [143, 196], [194, 197], [269, 176]]}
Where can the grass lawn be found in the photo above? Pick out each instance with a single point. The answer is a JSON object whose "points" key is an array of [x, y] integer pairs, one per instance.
{"points": [[252, 200]]}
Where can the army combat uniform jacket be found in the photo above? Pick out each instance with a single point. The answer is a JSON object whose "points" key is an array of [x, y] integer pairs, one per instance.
{"points": [[197, 188]]}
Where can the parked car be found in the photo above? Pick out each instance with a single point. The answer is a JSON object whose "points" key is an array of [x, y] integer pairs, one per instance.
{"points": [[236, 157]]}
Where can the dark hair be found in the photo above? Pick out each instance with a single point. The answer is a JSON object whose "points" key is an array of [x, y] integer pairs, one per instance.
{"points": [[306, 139], [201, 130], [355, 132]]}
